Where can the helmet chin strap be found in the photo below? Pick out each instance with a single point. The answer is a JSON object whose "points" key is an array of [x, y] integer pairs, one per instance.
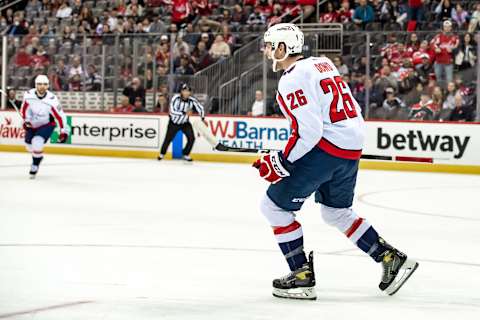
{"points": [[275, 61]]}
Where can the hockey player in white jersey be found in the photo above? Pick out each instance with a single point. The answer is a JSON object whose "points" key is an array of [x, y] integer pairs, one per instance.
{"points": [[40, 110], [321, 157]]}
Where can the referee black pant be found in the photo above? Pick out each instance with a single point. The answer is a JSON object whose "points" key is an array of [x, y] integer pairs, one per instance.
{"points": [[172, 130]]}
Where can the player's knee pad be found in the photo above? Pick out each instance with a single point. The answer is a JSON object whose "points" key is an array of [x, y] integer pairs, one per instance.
{"points": [[37, 145], [274, 214], [341, 218]]}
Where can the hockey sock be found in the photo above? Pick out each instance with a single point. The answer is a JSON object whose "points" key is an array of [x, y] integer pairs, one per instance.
{"points": [[369, 244], [293, 252], [290, 240], [36, 160]]}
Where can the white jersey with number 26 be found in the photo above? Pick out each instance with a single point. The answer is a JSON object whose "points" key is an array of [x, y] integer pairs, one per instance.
{"points": [[321, 110]]}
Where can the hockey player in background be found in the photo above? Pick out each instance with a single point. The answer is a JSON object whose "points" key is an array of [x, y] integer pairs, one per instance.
{"points": [[40, 109], [321, 157]]}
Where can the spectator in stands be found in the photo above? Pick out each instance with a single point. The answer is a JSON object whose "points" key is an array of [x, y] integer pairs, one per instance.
{"points": [[460, 16], [422, 110], [22, 58], [444, 10], [444, 44], [138, 105], [3, 25], [125, 105], [68, 35], [226, 17], [181, 12], [462, 111], [475, 19], [308, 7], [12, 101], [76, 7], [185, 67], [180, 47], [33, 6], [163, 54], [341, 67], [134, 9], [276, 16], [220, 49], [415, 13], [162, 104], [16, 29], [238, 16], [64, 11], [386, 79], [146, 64], [158, 26], [345, 13], [40, 59], [45, 35], [330, 16], [190, 36], [413, 43], [76, 68], [257, 18], [205, 37], [200, 56], [449, 102], [363, 13], [437, 98], [134, 90], [466, 56], [201, 8], [93, 80], [258, 106], [392, 103], [75, 83], [414, 95]]}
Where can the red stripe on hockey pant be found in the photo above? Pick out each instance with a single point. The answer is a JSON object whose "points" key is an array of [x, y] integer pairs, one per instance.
{"points": [[37, 152], [57, 116], [24, 109], [335, 151], [354, 227], [291, 227], [292, 141]]}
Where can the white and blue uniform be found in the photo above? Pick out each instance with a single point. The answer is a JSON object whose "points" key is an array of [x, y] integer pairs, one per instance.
{"points": [[322, 153], [42, 113]]}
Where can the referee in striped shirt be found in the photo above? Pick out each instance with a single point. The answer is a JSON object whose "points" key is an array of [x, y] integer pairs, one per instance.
{"points": [[181, 108]]}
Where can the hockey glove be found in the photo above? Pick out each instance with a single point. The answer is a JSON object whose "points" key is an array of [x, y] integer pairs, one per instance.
{"points": [[273, 166], [27, 125], [63, 137]]}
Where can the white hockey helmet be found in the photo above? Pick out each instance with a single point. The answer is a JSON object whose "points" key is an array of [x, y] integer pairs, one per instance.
{"points": [[289, 34], [42, 79]]}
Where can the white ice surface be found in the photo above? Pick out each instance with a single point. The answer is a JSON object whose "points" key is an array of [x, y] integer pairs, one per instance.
{"points": [[114, 239]]}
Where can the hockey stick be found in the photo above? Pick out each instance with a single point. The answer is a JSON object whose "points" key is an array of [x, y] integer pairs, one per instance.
{"points": [[202, 128]]}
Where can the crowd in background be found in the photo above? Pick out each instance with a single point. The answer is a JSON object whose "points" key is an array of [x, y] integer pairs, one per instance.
{"points": [[415, 79]]}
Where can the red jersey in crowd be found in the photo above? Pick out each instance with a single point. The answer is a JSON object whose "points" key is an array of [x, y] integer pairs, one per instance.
{"points": [[202, 7], [22, 59], [181, 10], [444, 42], [345, 16], [328, 17], [414, 3]]}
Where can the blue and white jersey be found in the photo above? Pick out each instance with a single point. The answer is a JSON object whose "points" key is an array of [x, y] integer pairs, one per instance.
{"points": [[41, 111]]}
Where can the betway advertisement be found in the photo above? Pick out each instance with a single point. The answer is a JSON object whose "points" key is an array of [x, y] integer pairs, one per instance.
{"points": [[453, 143]]}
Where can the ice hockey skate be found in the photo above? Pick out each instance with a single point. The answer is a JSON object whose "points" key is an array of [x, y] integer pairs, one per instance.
{"points": [[397, 269], [33, 171], [298, 284]]}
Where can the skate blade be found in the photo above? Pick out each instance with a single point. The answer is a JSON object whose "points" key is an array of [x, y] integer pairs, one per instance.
{"points": [[307, 293], [32, 176], [407, 269]]}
